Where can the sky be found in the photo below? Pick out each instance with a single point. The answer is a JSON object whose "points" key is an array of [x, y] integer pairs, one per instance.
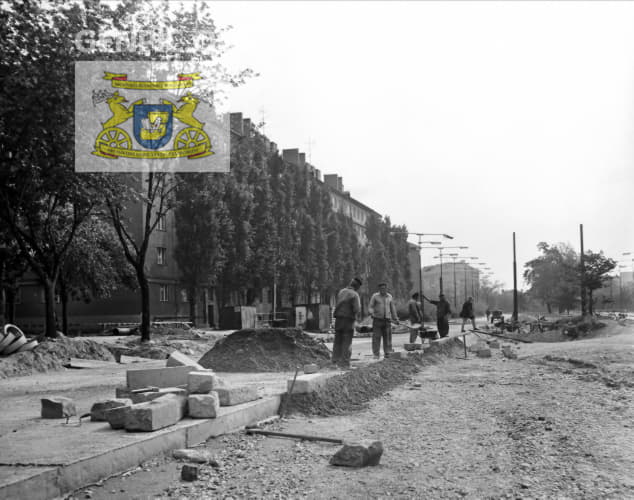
{"points": [[476, 119]]}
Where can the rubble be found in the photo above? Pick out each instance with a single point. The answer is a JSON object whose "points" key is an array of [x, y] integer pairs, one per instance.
{"points": [[358, 454]]}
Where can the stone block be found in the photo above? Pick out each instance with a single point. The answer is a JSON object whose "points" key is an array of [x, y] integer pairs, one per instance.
{"points": [[311, 368], [412, 347], [508, 352], [153, 415], [358, 454], [201, 382], [307, 383], [397, 355], [144, 397], [230, 396], [173, 376], [99, 409], [189, 472], [494, 344], [203, 405], [58, 407], [485, 352], [177, 358], [116, 416]]}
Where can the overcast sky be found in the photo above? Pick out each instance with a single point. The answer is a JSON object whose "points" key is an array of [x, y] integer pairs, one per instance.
{"points": [[475, 119]]}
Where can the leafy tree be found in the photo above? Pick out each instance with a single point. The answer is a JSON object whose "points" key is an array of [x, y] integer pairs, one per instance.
{"points": [[596, 269], [553, 277], [202, 219], [13, 265]]}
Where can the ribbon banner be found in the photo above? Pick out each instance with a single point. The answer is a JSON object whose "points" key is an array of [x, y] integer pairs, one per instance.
{"points": [[120, 81], [195, 152]]}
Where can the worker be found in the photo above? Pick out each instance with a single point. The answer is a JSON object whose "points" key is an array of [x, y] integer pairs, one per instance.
{"points": [[415, 318], [467, 314], [347, 312], [443, 311], [383, 312]]}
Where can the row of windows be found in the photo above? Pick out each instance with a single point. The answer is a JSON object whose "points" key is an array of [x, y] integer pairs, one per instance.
{"points": [[165, 292]]}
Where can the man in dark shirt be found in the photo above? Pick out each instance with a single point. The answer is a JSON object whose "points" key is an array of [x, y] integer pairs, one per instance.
{"points": [[415, 318], [467, 314], [443, 311], [347, 312]]}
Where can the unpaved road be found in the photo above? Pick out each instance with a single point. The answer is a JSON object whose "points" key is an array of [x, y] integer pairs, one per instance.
{"points": [[556, 423]]}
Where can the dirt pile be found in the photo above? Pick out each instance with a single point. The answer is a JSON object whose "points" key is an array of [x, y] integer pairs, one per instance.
{"points": [[353, 390], [52, 354], [265, 350]]}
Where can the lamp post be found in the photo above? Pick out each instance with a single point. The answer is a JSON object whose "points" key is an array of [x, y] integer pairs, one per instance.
{"points": [[455, 291], [420, 248], [440, 249]]}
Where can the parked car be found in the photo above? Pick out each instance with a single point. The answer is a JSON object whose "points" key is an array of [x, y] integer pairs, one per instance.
{"points": [[496, 316]]}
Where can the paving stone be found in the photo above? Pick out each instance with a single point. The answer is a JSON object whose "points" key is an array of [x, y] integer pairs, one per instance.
{"points": [[397, 355], [177, 358], [203, 405], [358, 454], [153, 415], [201, 382], [311, 368], [58, 407], [494, 344], [484, 353], [189, 472], [173, 376], [144, 397], [99, 409], [230, 396], [116, 416], [413, 347], [306, 383]]}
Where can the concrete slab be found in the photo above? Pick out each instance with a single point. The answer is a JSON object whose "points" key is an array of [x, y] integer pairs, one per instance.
{"points": [[159, 377], [308, 383]]}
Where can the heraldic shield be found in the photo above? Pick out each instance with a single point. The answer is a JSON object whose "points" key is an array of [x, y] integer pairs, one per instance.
{"points": [[153, 124]]}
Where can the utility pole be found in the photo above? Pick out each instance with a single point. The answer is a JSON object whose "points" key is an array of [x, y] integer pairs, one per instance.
{"points": [[583, 274], [515, 313]]}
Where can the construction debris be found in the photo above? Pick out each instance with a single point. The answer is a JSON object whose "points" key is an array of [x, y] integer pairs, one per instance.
{"points": [[99, 409], [358, 455], [190, 472]]}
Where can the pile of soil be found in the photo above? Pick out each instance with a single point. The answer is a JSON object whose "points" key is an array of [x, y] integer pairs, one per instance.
{"points": [[353, 390], [52, 354], [265, 350]]}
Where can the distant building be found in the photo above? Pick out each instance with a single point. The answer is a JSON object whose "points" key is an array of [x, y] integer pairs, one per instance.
{"points": [[467, 279]]}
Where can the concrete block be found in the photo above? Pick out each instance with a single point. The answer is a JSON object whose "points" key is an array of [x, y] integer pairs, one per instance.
{"points": [[397, 355], [485, 352], [494, 344], [201, 382], [413, 347], [153, 415], [311, 368], [144, 397], [173, 376], [189, 472], [99, 409], [230, 396], [177, 358], [116, 416], [307, 383], [58, 407], [204, 405]]}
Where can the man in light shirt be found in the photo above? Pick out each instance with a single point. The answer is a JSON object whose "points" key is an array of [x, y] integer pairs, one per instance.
{"points": [[383, 312]]}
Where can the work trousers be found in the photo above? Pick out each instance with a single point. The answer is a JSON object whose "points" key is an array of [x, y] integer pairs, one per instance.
{"points": [[381, 329], [443, 326], [341, 349]]}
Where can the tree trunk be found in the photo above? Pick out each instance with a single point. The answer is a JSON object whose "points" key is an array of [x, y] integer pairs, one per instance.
{"points": [[49, 300], [590, 303], [550, 311], [145, 304], [9, 311], [192, 297]]}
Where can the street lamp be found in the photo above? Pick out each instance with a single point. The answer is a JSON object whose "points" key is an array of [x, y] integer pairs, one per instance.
{"points": [[420, 248]]}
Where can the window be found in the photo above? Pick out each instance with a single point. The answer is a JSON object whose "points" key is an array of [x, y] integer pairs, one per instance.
{"points": [[183, 295], [160, 255], [162, 225], [164, 293]]}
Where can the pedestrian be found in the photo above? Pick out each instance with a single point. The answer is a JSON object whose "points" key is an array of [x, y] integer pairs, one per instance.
{"points": [[347, 312], [443, 311], [383, 312], [467, 313], [488, 313], [415, 318]]}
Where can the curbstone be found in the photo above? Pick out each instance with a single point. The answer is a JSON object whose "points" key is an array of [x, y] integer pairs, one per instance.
{"points": [[204, 405], [99, 409], [230, 396], [201, 382], [153, 415], [173, 376]]}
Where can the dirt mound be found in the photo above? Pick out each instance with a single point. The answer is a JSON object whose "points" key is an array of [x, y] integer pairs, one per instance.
{"points": [[52, 354], [353, 390], [265, 350]]}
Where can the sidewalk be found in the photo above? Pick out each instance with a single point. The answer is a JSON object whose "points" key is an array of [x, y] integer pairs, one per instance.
{"points": [[42, 459]]}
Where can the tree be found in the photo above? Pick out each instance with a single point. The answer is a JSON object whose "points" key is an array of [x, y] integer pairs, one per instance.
{"points": [[596, 267], [553, 277], [202, 219]]}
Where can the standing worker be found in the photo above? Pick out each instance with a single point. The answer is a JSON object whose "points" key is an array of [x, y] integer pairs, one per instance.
{"points": [[347, 312], [443, 311], [383, 312], [467, 313], [415, 319]]}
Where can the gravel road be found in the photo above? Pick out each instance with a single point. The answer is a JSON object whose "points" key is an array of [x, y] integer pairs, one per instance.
{"points": [[556, 423]]}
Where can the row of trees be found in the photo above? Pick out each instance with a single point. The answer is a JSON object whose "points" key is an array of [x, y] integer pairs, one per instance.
{"points": [[555, 277], [264, 223]]}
